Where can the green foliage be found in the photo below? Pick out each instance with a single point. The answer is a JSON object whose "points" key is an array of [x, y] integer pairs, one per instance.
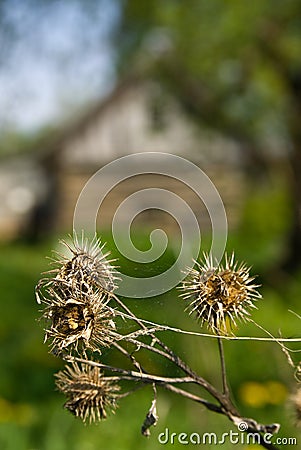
{"points": [[231, 65], [15, 142], [265, 223]]}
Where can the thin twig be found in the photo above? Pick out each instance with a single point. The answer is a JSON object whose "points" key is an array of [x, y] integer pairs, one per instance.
{"points": [[224, 402], [133, 374], [210, 406], [152, 349], [223, 368], [195, 398], [160, 327], [135, 363]]}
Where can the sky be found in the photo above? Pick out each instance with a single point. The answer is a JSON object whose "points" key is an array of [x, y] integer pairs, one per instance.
{"points": [[54, 57]]}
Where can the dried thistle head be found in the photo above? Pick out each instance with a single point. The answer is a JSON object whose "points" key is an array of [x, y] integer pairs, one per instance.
{"points": [[77, 319], [220, 294], [90, 395], [87, 265]]}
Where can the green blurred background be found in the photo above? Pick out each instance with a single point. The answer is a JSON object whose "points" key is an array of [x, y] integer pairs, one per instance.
{"points": [[233, 70], [31, 412]]}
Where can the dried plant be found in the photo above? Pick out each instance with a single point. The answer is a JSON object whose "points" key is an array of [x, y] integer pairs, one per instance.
{"points": [[87, 268], [220, 294], [89, 394], [77, 319], [81, 309]]}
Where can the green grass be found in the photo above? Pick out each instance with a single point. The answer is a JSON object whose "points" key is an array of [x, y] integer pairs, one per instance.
{"points": [[31, 413]]}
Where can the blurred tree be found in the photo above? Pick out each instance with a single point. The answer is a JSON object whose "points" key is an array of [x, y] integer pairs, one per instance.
{"points": [[235, 67]]}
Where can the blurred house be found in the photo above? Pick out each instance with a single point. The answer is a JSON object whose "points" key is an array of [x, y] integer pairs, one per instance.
{"points": [[136, 117], [24, 194]]}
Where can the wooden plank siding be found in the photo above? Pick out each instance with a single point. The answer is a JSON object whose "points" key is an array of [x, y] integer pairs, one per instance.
{"points": [[229, 184]]}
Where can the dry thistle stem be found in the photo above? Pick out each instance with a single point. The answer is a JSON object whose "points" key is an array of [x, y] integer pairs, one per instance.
{"points": [[297, 405], [90, 395], [77, 319], [150, 420], [76, 297], [219, 294]]}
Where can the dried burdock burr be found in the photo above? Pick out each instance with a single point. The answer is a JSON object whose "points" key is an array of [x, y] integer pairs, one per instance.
{"points": [[77, 320], [90, 395], [220, 294]]}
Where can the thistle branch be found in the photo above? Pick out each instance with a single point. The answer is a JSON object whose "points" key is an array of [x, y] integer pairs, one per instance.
{"points": [[223, 368], [76, 296]]}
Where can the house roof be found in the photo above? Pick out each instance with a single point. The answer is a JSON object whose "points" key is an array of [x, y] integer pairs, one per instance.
{"points": [[121, 124], [49, 146]]}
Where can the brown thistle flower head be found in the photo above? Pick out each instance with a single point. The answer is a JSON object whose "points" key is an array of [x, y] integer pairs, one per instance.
{"points": [[86, 266], [77, 319], [90, 395], [220, 294]]}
